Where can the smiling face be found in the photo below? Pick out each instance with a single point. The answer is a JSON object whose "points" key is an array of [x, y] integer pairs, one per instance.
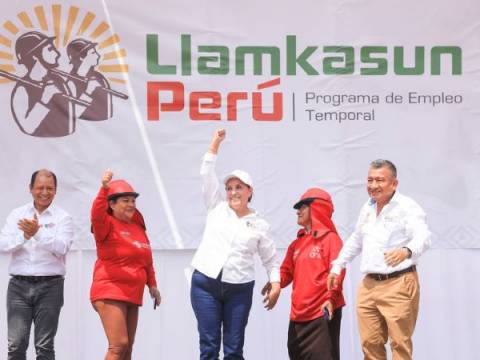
{"points": [[43, 191], [238, 195], [303, 216], [123, 207], [381, 184]]}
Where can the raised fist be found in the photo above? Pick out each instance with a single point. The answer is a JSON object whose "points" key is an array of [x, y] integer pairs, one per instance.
{"points": [[219, 134], [107, 177]]}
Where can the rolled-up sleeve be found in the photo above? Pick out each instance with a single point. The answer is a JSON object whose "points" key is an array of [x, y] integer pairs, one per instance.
{"points": [[287, 268], [210, 183], [351, 248], [151, 278], [268, 255], [417, 230], [334, 244], [101, 224]]}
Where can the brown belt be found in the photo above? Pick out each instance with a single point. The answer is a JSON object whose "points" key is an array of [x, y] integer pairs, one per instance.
{"points": [[381, 277]]}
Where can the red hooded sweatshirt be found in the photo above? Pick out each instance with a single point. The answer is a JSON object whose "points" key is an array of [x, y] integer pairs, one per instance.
{"points": [[308, 259]]}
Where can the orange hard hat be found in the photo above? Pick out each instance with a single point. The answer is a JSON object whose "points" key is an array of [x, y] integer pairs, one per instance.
{"points": [[119, 188]]}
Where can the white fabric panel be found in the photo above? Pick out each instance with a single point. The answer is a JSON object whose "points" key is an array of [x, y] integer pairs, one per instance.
{"points": [[436, 148], [446, 327]]}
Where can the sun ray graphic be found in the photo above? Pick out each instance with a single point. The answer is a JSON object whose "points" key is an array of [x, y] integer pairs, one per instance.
{"points": [[87, 20], [99, 30], [66, 23], [6, 55], [25, 19], [56, 12], [72, 16], [40, 12], [11, 28], [115, 54]]}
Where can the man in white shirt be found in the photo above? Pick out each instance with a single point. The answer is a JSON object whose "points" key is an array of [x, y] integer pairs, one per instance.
{"points": [[38, 235], [391, 233]]}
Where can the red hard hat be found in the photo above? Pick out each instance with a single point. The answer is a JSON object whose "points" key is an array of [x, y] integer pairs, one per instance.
{"points": [[310, 195], [119, 188]]}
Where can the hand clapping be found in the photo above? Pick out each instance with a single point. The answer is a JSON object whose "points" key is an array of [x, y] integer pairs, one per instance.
{"points": [[29, 226]]}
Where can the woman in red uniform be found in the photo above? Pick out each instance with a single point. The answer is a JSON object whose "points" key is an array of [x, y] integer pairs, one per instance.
{"points": [[315, 316], [124, 265]]}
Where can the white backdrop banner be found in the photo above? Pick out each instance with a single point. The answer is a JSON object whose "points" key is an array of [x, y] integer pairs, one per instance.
{"points": [[309, 93]]}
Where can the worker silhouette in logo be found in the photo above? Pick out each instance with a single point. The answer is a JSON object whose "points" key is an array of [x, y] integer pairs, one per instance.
{"points": [[42, 104], [87, 83]]}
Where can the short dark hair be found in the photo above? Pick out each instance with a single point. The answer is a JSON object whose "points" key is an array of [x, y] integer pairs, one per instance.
{"points": [[380, 163], [45, 172]]}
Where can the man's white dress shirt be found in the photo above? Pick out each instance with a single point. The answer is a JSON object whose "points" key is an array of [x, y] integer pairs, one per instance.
{"points": [[401, 223], [44, 253]]}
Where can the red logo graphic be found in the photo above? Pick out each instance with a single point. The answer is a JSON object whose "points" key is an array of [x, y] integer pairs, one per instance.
{"points": [[47, 101]]}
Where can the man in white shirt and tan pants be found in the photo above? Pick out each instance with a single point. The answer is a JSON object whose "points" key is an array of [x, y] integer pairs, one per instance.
{"points": [[391, 233], [38, 235]]}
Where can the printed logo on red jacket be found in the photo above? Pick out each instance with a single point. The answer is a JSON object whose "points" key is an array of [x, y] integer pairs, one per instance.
{"points": [[315, 252]]}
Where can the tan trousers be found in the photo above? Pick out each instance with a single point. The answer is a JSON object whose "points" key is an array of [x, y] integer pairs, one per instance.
{"points": [[388, 310]]}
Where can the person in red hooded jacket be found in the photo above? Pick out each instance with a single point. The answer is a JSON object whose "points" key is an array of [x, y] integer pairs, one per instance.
{"points": [[124, 265], [316, 313]]}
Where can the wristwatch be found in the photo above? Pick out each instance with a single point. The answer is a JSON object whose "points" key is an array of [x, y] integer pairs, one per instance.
{"points": [[409, 252]]}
